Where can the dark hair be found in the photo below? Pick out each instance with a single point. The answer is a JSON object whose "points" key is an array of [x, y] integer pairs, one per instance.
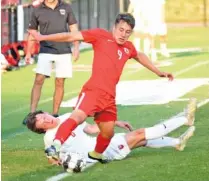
{"points": [[31, 122], [127, 17]]}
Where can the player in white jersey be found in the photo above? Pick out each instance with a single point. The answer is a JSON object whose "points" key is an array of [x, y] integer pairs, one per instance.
{"points": [[150, 22], [122, 143]]}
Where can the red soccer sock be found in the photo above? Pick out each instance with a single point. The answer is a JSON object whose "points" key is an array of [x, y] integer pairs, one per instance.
{"points": [[102, 143], [65, 130]]}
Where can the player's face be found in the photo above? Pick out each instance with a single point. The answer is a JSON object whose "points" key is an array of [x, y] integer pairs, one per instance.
{"points": [[121, 32], [46, 121]]}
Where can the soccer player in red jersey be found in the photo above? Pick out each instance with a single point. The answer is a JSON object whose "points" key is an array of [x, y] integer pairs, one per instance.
{"points": [[97, 97]]}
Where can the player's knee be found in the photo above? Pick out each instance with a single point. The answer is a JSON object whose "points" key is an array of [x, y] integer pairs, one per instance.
{"points": [[39, 81], [140, 134], [139, 131], [59, 82], [79, 116], [107, 134]]}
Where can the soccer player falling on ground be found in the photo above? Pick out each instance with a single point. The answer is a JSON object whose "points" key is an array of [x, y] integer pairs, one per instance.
{"points": [[97, 97], [121, 144]]}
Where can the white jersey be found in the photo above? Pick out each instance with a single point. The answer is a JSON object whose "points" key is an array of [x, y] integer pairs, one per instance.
{"points": [[75, 141], [149, 16], [82, 143]]}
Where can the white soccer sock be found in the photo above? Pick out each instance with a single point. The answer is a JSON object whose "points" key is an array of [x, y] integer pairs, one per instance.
{"points": [[147, 45], [174, 123], [153, 55], [163, 46], [137, 43], [164, 128], [163, 142]]}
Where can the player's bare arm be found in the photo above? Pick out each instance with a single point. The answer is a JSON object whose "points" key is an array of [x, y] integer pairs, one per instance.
{"points": [[30, 45], [123, 124], [91, 129], [58, 37], [74, 28], [94, 129], [144, 60]]}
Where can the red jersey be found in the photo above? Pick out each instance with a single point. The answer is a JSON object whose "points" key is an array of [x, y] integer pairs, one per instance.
{"points": [[109, 59]]}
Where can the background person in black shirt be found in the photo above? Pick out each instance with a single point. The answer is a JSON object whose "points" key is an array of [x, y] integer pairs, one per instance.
{"points": [[52, 16]]}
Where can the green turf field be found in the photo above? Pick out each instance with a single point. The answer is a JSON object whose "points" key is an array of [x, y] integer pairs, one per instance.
{"points": [[23, 156]]}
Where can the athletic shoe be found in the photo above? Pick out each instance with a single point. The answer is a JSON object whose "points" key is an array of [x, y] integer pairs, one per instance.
{"points": [[24, 122], [51, 152], [190, 111], [184, 138], [99, 157]]}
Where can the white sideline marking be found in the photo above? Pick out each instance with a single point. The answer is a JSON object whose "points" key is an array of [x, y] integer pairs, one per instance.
{"points": [[202, 103], [176, 73], [40, 103], [182, 50], [181, 99], [198, 105], [66, 174], [190, 68]]}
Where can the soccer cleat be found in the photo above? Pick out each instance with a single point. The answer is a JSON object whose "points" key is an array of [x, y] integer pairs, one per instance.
{"points": [[51, 152], [99, 157], [55, 115], [190, 111], [24, 122], [184, 138]]}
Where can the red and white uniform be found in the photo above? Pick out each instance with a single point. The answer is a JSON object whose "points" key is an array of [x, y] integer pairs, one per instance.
{"points": [[82, 143], [98, 94]]}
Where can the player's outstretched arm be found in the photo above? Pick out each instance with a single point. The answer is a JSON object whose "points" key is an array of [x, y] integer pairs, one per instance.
{"points": [[58, 37], [144, 60], [91, 129]]}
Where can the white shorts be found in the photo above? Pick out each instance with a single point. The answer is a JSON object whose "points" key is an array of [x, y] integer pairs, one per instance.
{"points": [[62, 62], [118, 148]]}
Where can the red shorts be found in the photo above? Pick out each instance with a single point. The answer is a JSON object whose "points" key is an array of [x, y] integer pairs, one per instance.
{"points": [[97, 103]]}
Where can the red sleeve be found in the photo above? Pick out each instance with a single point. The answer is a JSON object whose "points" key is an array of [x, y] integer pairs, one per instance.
{"points": [[92, 35], [133, 52]]}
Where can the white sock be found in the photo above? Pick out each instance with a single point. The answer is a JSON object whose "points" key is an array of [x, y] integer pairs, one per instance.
{"points": [[163, 142], [137, 44], [164, 128], [174, 123], [147, 45], [153, 55], [163, 46]]}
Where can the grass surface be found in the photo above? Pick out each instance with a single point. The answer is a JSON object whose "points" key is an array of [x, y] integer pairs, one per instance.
{"points": [[23, 156]]}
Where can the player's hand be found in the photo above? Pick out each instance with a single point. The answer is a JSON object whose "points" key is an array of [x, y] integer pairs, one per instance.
{"points": [[27, 58], [168, 75], [54, 162], [36, 35], [124, 125], [76, 54]]}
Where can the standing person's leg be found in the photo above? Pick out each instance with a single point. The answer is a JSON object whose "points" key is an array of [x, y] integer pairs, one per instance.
{"points": [[36, 91], [63, 69], [153, 49], [163, 39], [43, 69], [58, 95]]}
